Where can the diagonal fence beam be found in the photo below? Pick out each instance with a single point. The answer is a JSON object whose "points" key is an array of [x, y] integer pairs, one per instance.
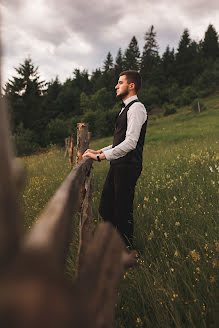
{"points": [[99, 278], [51, 231], [9, 178], [86, 223]]}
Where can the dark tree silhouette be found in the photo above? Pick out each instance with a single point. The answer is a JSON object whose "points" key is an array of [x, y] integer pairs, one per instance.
{"points": [[132, 55]]}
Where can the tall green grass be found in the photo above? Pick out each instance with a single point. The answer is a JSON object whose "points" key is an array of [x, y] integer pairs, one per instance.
{"points": [[44, 174], [176, 220]]}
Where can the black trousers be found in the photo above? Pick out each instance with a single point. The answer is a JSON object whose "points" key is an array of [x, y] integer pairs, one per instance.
{"points": [[116, 204]]}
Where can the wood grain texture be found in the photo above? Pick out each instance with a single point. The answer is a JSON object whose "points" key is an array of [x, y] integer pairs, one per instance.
{"points": [[10, 226], [99, 277], [51, 231], [82, 140], [86, 223]]}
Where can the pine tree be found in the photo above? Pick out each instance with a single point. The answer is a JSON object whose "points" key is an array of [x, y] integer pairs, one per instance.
{"points": [[184, 45], [108, 74], [96, 80], [81, 81], [210, 45], [24, 94], [186, 59], [108, 63], [50, 105], [168, 61], [150, 57], [84, 103], [132, 55], [69, 99], [119, 64]]}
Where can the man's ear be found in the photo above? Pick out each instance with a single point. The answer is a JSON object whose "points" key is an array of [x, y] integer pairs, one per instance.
{"points": [[132, 85]]}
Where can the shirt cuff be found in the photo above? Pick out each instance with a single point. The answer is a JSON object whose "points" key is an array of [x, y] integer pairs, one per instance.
{"points": [[106, 148], [108, 154]]}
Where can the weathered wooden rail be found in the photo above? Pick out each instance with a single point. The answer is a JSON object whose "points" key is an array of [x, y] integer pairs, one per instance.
{"points": [[34, 292]]}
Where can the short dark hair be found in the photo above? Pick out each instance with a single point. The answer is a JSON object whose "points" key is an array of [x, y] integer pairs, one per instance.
{"points": [[133, 77]]}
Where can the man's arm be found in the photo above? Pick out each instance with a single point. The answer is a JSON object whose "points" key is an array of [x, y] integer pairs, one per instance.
{"points": [[136, 116], [97, 151], [93, 153], [106, 148]]}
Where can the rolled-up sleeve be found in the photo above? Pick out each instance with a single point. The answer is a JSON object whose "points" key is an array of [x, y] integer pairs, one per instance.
{"points": [[136, 116], [106, 148]]}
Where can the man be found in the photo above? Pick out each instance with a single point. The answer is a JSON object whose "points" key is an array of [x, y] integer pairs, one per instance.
{"points": [[125, 156]]}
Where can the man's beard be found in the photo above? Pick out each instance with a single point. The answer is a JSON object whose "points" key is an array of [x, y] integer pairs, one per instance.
{"points": [[121, 96]]}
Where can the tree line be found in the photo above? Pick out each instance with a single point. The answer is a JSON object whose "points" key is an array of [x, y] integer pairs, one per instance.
{"points": [[43, 113]]}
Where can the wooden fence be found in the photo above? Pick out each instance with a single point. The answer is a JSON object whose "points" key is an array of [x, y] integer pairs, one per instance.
{"points": [[34, 292]]}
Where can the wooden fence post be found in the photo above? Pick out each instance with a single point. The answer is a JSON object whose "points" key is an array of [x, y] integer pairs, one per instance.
{"points": [[69, 149], [199, 107], [86, 227], [67, 144], [82, 145], [82, 140]]}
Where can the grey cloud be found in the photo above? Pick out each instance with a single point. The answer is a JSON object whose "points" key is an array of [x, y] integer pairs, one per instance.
{"points": [[11, 3], [200, 8], [67, 34], [53, 36], [89, 18]]}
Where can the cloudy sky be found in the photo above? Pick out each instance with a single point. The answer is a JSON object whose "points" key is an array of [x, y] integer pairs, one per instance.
{"points": [[60, 36]]}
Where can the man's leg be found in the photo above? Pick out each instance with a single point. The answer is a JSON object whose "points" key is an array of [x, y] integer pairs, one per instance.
{"points": [[106, 207], [125, 179]]}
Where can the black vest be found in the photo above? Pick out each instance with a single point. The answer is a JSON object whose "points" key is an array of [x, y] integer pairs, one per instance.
{"points": [[134, 157]]}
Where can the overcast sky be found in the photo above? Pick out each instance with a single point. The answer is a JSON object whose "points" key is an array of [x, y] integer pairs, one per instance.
{"points": [[63, 35]]}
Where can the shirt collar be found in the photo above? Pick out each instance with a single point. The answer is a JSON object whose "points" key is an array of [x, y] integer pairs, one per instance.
{"points": [[128, 100]]}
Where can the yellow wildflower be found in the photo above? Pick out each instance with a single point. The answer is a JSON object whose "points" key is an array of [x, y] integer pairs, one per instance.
{"points": [[176, 253], [195, 255], [151, 235], [212, 279], [138, 320], [217, 245], [214, 263]]}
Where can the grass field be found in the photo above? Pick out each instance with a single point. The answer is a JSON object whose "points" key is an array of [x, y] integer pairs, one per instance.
{"points": [[176, 219]]}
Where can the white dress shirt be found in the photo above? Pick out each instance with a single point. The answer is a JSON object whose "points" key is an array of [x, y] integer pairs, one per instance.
{"points": [[136, 116]]}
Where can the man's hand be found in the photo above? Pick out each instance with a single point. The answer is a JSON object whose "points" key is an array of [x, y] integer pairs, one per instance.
{"points": [[93, 154], [90, 154], [93, 151]]}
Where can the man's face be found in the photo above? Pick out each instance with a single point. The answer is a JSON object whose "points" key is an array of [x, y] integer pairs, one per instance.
{"points": [[122, 87]]}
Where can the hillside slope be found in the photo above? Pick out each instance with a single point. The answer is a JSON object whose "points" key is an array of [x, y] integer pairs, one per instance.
{"points": [[176, 219]]}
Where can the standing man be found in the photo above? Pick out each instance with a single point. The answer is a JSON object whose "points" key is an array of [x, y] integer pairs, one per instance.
{"points": [[125, 156]]}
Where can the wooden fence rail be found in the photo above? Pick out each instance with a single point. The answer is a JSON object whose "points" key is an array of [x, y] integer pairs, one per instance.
{"points": [[34, 291]]}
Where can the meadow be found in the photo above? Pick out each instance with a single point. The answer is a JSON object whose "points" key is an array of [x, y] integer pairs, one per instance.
{"points": [[174, 283]]}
